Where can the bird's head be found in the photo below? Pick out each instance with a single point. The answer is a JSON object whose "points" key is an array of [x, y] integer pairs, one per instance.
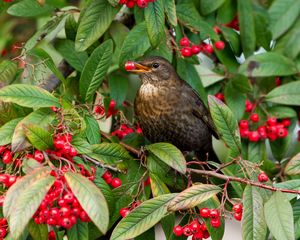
{"points": [[152, 69]]}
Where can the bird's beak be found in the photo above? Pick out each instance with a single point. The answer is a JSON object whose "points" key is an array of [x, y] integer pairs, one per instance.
{"points": [[136, 67]]}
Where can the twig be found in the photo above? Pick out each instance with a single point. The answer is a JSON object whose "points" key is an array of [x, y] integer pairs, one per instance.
{"points": [[225, 165], [102, 165], [129, 148], [242, 180]]}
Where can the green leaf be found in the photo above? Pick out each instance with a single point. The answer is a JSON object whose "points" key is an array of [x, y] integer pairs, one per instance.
{"points": [[67, 49], [27, 203], [193, 20], [262, 32], [114, 3], [41, 117], [142, 218], [8, 71], [47, 60], [28, 96], [253, 222], [233, 38], [288, 94], [95, 21], [71, 27], [155, 22], [118, 85], [110, 153], [90, 198], [39, 137], [135, 44], [247, 26], [257, 152], [169, 154], [81, 145], [282, 112], [291, 184], [80, 231], [193, 196], [283, 14], [293, 166], [29, 8], [208, 6], [268, 64], [7, 131], [170, 10], [29, 165], [38, 231], [158, 187], [92, 130], [279, 217], [95, 69], [226, 124], [241, 83], [207, 76]]}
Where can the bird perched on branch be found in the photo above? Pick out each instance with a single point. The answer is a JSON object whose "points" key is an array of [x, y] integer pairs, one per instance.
{"points": [[168, 109]]}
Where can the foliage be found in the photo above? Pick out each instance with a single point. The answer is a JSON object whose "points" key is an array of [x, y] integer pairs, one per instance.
{"points": [[74, 161]]}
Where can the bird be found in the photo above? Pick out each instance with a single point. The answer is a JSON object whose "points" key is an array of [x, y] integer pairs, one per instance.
{"points": [[169, 110]]}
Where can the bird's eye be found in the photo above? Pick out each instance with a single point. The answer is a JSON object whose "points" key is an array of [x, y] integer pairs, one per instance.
{"points": [[155, 65]]}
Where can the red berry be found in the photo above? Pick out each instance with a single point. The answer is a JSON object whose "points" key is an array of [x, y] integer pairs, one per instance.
{"points": [[238, 216], [220, 96], [196, 49], [116, 182], [237, 207], [214, 213], [282, 132], [198, 236], [99, 109], [254, 117], [73, 219], [215, 222], [2, 198], [108, 180], [272, 121], [59, 143], [124, 212], [3, 222], [65, 211], [208, 48], [66, 222], [244, 133], [277, 81], [129, 66], [249, 106], [253, 136], [106, 175], [187, 231], [54, 213], [73, 152], [205, 212], [69, 198], [11, 180], [262, 177], [2, 232], [142, 3], [244, 124], [4, 178], [220, 45], [178, 230], [38, 156], [130, 4], [2, 149], [217, 30], [54, 109], [136, 204], [7, 157], [51, 235], [195, 226], [262, 132], [84, 217], [272, 136], [286, 122], [147, 182], [184, 42], [186, 52], [51, 221]]}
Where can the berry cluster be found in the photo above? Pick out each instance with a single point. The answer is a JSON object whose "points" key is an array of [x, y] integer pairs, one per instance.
{"points": [[60, 207], [189, 49], [214, 216], [194, 228], [7, 180], [262, 177], [125, 211], [132, 3], [114, 182], [111, 111], [237, 208], [3, 228], [272, 130], [125, 130], [63, 147]]}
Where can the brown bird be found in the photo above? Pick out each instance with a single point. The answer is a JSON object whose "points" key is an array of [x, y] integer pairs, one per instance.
{"points": [[169, 110]]}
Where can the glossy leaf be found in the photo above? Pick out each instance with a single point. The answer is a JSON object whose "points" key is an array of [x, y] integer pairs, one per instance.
{"points": [[282, 15], [142, 218], [155, 21], [226, 124], [95, 69], [135, 44], [290, 184], [7, 131], [92, 130], [39, 137], [80, 231], [247, 26], [38, 231], [282, 112], [8, 70], [208, 77], [169, 154], [81, 145], [118, 88], [208, 6], [90, 198], [293, 166], [170, 10], [253, 222], [287, 94], [158, 187], [29, 8], [28, 96], [95, 21], [279, 217], [268, 64], [27, 203], [193, 196]]}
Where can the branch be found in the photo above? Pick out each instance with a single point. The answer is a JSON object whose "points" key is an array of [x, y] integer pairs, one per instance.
{"points": [[242, 180], [102, 165], [127, 147]]}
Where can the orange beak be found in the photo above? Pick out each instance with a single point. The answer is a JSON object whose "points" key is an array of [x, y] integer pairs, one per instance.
{"points": [[135, 67]]}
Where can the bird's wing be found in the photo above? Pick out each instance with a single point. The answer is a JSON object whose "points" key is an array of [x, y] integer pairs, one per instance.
{"points": [[199, 109]]}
